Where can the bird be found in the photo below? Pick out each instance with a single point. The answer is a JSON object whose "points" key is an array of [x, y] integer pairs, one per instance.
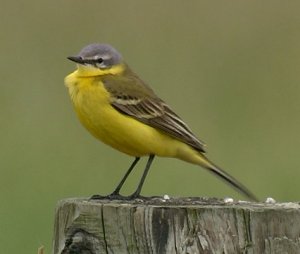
{"points": [[117, 107]]}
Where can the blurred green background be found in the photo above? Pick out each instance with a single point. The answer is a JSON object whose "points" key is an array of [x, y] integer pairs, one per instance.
{"points": [[229, 68]]}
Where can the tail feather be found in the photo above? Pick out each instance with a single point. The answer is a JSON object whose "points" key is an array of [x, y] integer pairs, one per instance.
{"points": [[189, 154], [229, 179]]}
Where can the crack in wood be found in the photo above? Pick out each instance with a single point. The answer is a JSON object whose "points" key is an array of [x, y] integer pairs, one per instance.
{"points": [[181, 226], [81, 242]]}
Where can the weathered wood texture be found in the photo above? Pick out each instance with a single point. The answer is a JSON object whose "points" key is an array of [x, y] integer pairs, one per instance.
{"points": [[176, 226]]}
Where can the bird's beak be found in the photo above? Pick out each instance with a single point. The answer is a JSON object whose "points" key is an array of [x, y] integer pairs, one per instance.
{"points": [[76, 59]]}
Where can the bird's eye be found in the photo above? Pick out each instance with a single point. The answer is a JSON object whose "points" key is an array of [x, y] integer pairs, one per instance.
{"points": [[99, 60]]}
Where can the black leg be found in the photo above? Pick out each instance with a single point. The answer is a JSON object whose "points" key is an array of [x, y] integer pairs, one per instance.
{"points": [[139, 188], [116, 193]]}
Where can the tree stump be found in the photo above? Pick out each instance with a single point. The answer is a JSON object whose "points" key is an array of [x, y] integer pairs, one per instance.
{"points": [[176, 225]]}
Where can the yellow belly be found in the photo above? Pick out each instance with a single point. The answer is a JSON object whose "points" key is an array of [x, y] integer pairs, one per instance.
{"points": [[122, 132]]}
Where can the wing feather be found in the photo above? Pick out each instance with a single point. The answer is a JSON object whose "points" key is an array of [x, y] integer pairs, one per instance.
{"points": [[132, 97]]}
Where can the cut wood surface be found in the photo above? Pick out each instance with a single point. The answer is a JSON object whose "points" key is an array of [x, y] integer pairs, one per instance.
{"points": [[176, 225]]}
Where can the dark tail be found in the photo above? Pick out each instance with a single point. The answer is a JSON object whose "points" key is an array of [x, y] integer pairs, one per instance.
{"points": [[230, 180]]}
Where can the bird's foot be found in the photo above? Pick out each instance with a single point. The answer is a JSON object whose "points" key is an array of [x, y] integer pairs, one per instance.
{"points": [[135, 195], [112, 196], [117, 196]]}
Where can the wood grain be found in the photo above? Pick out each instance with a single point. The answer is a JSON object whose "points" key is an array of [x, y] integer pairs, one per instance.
{"points": [[176, 225]]}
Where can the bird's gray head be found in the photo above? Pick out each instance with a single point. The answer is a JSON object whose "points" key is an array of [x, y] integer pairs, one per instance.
{"points": [[102, 56]]}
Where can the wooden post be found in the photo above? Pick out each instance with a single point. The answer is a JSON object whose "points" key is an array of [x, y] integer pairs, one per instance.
{"points": [[176, 225]]}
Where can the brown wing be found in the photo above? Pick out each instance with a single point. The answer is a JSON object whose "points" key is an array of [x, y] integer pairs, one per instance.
{"points": [[132, 97]]}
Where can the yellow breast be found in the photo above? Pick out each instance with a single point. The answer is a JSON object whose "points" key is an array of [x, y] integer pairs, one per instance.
{"points": [[92, 105]]}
